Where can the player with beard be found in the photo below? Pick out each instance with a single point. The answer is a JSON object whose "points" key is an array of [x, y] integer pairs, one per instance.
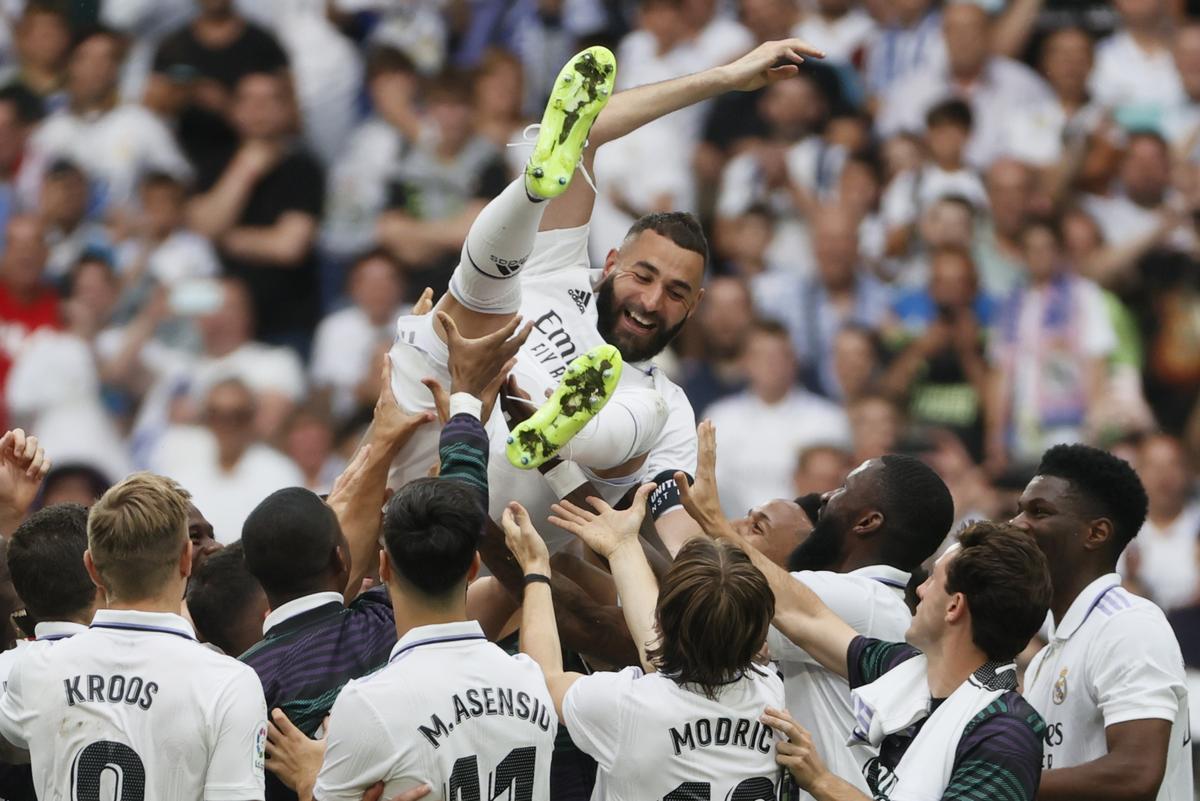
{"points": [[526, 254], [891, 514]]}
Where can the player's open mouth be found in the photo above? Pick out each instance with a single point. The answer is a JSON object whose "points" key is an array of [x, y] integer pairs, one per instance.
{"points": [[637, 322]]}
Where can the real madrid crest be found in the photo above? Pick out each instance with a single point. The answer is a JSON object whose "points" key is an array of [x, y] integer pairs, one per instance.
{"points": [[1060, 687]]}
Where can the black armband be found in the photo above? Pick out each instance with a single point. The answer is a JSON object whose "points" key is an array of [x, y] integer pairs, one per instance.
{"points": [[666, 495]]}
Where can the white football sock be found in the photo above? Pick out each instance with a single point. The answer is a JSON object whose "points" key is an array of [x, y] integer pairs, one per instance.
{"points": [[626, 427]]}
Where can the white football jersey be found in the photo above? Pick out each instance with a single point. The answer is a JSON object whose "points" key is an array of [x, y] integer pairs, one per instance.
{"points": [[1112, 659], [871, 601], [451, 710], [134, 708], [557, 297], [653, 738], [43, 633]]}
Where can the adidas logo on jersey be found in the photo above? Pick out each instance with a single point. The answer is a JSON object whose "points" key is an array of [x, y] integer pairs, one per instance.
{"points": [[581, 298]]}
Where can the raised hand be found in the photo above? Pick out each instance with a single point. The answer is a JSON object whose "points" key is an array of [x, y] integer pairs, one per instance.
{"points": [[523, 540], [23, 467], [480, 366], [701, 499], [424, 304], [768, 63], [605, 530]]}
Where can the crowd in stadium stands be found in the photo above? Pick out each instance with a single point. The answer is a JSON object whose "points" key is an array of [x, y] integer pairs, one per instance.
{"points": [[969, 233]]}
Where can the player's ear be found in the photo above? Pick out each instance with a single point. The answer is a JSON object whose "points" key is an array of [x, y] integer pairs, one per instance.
{"points": [[1099, 534], [868, 522], [956, 609], [93, 571], [610, 262], [385, 566], [473, 570], [185, 558], [696, 305]]}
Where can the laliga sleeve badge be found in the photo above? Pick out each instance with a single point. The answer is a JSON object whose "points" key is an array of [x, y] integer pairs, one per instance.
{"points": [[1060, 688], [260, 748]]}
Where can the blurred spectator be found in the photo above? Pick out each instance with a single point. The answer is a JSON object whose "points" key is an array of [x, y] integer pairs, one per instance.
{"points": [[1039, 133], [162, 251], [1163, 561], [224, 465], [857, 362], [347, 341], [26, 302], [875, 427], [841, 26], [440, 183], [997, 251], [1181, 123], [860, 189], [358, 185], [114, 143], [909, 42], [1168, 309], [262, 206], [762, 430], [814, 309], [821, 469], [19, 112], [1048, 353], [69, 233], [1136, 210], [723, 322], [73, 483], [938, 337], [226, 322], [498, 109], [1134, 74], [745, 243], [43, 37], [55, 386], [207, 58], [790, 171], [912, 193], [991, 84], [308, 442]]}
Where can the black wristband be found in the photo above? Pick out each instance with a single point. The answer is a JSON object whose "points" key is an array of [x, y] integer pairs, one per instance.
{"points": [[536, 578], [666, 494]]}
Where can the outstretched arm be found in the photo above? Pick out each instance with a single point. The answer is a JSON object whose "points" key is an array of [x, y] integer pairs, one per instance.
{"points": [[539, 632], [629, 110], [799, 613], [614, 535]]}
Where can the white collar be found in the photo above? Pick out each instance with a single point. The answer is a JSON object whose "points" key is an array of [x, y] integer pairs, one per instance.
{"points": [[56, 630], [1083, 605], [305, 603], [884, 574], [437, 633], [132, 620]]}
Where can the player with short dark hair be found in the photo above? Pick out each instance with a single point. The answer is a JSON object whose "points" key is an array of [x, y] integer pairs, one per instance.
{"points": [[226, 603], [135, 698], [45, 558], [686, 723], [1110, 683]]}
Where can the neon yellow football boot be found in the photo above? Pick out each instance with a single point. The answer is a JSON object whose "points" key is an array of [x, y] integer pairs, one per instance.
{"points": [[586, 387], [580, 91]]}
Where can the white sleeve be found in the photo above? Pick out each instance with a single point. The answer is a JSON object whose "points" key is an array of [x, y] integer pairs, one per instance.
{"points": [[1139, 683], [358, 750], [592, 712], [15, 715], [845, 597], [675, 448], [235, 769], [559, 249]]}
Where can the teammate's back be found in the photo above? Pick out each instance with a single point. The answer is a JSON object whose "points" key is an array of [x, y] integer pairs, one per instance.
{"points": [[134, 707], [136, 701], [459, 714]]}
